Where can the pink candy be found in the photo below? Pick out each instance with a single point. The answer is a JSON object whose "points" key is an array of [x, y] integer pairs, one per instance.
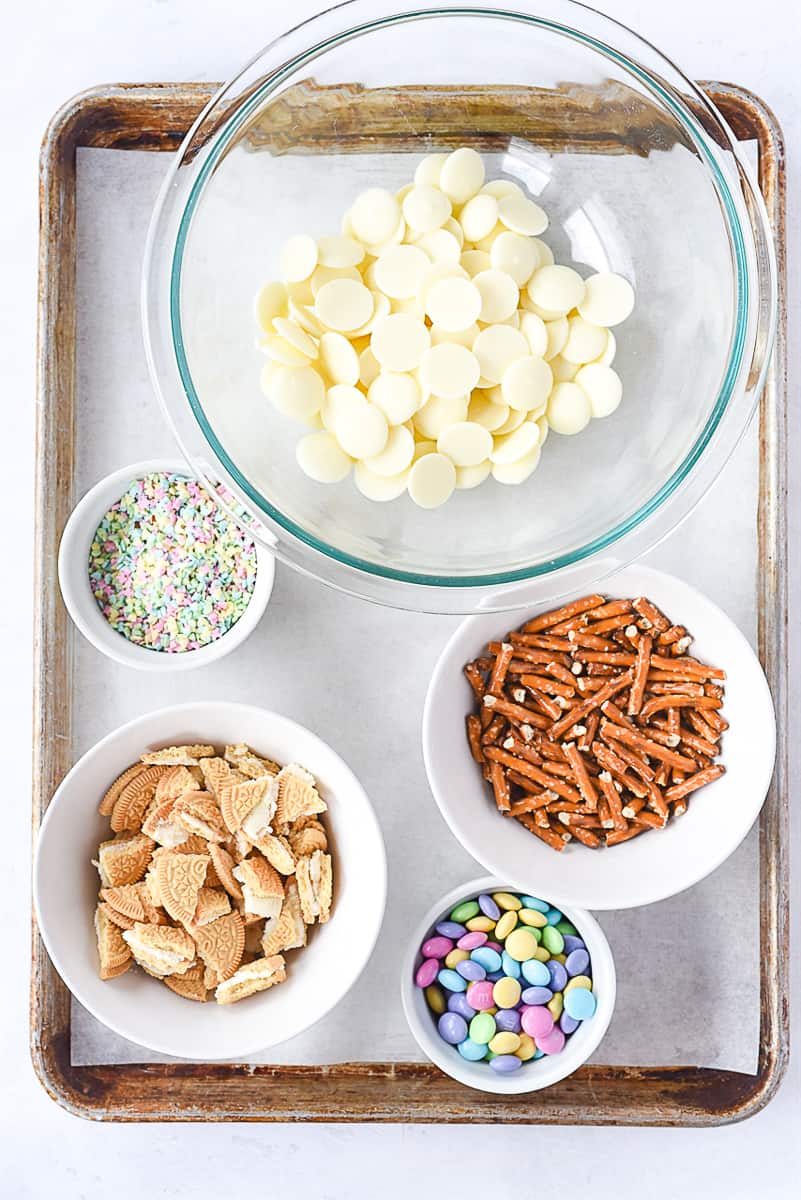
{"points": [[437, 947], [426, 972], [471, 941], [553, 1042], [537, 1022], [479, 995], [494, 946]]}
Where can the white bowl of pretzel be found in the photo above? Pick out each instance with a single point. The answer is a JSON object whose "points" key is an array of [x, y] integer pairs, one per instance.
{"points": [[210, 880], [613, 751]]}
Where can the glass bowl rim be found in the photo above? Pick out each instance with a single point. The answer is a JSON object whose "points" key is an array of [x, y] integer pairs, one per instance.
{"points": [[691, 127]]}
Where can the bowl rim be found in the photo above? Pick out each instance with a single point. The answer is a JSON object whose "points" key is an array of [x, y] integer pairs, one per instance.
{"points": [[369, 931], [551, 1069], [80, 603], [736, 222], [643, 896]]}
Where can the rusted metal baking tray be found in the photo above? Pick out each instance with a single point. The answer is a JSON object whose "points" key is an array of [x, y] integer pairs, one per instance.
{"points": [[155, 118]]}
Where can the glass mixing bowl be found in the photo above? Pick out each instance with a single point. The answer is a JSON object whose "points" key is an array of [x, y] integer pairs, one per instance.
{"points": [[639, 174]]}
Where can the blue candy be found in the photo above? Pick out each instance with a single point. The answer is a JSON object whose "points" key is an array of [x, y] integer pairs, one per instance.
{"points": [[470, 1050], [451, 929], [538, 1053], [580, 1003], [494, 976], [533, 902], [452, 1028], [553, 916], [537, 995], [490, 959], [452, 980], [577, 962], [457, 1002], [489, 907], [507, 1020], [511, 966], [537, 973], [506, 1063], [556, 973], [471, 970]]}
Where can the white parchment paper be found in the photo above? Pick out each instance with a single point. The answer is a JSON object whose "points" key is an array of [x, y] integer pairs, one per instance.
{"points": [[688, 968]]}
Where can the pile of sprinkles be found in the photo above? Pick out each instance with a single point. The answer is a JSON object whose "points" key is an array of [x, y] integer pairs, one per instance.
{"points": [[168, 569]]}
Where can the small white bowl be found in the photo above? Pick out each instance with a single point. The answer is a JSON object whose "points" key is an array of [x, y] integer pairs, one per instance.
{"points": [[65, 887], [648, 868], [532, 1075], [73, 577]]}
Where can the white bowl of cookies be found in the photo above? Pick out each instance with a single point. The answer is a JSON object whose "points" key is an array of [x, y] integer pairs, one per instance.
{"points": [[210, 880]]}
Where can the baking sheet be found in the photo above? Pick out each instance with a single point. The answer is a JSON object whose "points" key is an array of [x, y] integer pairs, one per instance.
{"points": [[324, 659]]}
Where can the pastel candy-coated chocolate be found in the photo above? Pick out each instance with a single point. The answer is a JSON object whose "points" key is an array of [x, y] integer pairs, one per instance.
{"points": [[494, 976], [450, 929], [552, 940], [532, 918], [507, 901], [457, 1002], [472, 1051], [452, 980], [479, 995], [566, 929], [452, 1028], [489, 907], [535, 903], [537, 973], [555, 1005], [579, 981], [453, 959], [553, 916], [507, 923], [510, 965], [496, 946], [472, 940], [508, 1020], [435, 998], [527, 1048], [482, 1028], [577, 962], [504, 1043], [464, 911], [504, 1064], [468, 969], [426, 972], [580, 1003], [489, 959], [537, 995], [538, 1054], [568, 1024], [480, 923], [436, 947], [572, 943], [558, 975], [506, 992], [537, 1022], [521, 944], [553, 1042]]}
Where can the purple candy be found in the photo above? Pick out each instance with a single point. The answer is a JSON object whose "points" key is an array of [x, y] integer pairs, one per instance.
{"points": [[427, 972], [472, 940], [471, 970], [571, 943], [494, 976], [452, 1028], [457, 1003], [505, 1063], [577, 962], [496, 946], [508, 1020], [489, 907], [568, 1024], [537, 995], [451, 929], [558, 975], [436, 947]]}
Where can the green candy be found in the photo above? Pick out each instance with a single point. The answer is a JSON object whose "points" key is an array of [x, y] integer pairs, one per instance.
{"points": [[552, 939], [566, 929], [464, 911], [482, 1028]]}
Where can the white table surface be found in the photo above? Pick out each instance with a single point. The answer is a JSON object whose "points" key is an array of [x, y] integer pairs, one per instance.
{"points": [[51, 52]]}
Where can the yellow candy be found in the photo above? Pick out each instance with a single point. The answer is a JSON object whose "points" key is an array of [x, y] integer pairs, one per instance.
{"points": [[480, 925], [506, 992], [507, 901], [579, 981], [529, 917], [435, 999], [491, 1011], [521, 944], [556, 1005], [526, 1048], [504, 1043], [455, 956], [505, 925], [541, 953], [559, 957]]}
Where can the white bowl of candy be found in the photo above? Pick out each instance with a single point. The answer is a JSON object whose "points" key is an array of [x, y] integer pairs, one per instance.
{"points": [[505, 993]]}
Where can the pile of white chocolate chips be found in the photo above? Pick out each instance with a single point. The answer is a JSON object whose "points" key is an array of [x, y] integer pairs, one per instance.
{"points": [[434, 342]]}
